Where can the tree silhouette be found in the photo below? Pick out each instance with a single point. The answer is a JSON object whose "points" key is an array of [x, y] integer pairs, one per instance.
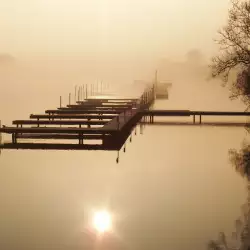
{"points": [[240, 160], [234, 53]]}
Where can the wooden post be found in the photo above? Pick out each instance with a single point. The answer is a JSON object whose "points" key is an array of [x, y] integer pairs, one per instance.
{"points": [[69, 98], [13, 138], [60, 101], [200, 119], [194, 119], [75, 92], [86, 89], [0, 134], [83, 92], [118, 121], [117, 159]]}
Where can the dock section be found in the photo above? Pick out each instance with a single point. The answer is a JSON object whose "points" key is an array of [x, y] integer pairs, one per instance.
{"points": [[103, 123]]}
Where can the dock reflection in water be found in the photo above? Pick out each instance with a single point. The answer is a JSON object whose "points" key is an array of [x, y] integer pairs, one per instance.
{"points": [[178, 196]]}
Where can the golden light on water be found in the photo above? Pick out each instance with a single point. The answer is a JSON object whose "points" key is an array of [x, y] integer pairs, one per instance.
{"points": [[102, 221]]}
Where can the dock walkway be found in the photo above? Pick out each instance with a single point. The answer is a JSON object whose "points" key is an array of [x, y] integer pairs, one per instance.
{"points": [[94, 124], [106, 121]]}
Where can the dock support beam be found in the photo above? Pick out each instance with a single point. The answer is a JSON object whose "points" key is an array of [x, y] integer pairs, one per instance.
{"points": [[75, 93], [14, 138], [200, 119], [151, 119], [194, 119], [117, 159], [81, 139], [1, 138]]}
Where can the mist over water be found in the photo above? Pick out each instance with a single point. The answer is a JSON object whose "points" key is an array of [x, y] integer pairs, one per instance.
{"points": [[32, 86], [174, 188], [166, 192]]}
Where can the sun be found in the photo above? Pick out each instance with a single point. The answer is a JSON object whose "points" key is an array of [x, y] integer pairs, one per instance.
{"points": [[102, 221]]}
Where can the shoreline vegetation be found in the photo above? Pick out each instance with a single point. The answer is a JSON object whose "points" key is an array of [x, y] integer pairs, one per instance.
{"points": [[240, 238], [233, 58]]}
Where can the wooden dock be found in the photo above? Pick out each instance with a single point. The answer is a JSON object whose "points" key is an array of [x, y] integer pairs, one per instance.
{"points": [[164, 113], [103, 123], [93, 124]]}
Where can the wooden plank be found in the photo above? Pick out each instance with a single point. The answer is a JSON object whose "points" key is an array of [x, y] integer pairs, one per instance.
{"points": [[95, 108], [167, 112], [72, 116], [60, 136], [108, 102], [102, 106], [93, 111], [11, 130], [188, 113], [53, 146], [188, 123], [58, 122], [111, 99], [220, 113]]}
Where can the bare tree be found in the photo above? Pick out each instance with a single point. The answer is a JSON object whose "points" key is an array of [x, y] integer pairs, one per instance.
{"points": [[234, 53], [241, 162]]}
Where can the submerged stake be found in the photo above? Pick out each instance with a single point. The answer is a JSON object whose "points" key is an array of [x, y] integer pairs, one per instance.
{"points": [[117, 159]]}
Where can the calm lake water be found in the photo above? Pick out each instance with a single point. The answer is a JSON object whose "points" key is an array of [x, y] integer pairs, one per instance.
{"points": [[174, 188]]}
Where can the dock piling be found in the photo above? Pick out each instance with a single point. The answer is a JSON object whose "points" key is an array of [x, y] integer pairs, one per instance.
{"points": [[117, 159], [141, 127], [79, 93], [118, 121], [75, 93], [1, 138]]}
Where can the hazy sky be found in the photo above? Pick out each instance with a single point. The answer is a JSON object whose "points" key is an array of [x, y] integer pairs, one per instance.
{"points": [[109, 28]]}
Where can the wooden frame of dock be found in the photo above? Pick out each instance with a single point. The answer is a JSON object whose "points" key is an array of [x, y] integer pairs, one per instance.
{"points": [[95, 123]]}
